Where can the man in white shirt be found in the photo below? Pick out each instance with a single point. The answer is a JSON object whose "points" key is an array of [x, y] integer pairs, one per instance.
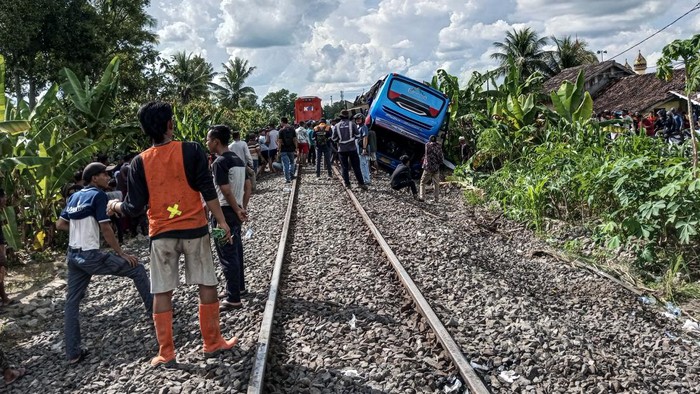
{"points": [[272, 136], [240, 148]]}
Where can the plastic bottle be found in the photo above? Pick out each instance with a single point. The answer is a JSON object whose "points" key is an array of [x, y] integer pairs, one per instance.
{"points": [[248, 234], [672, 309]]}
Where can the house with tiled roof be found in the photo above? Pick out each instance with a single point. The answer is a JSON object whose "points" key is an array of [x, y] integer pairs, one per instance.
{"points": [[634, 89], [596, 76]]}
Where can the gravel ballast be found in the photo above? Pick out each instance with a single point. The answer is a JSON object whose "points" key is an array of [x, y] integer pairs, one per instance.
{"points": [[528, 322]]}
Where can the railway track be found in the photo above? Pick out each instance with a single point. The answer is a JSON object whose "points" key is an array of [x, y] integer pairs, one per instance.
{"points": [[337, 283]]}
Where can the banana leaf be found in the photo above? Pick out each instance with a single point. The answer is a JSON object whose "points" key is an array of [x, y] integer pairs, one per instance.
{"points": [[14, 127], [9, 227]]}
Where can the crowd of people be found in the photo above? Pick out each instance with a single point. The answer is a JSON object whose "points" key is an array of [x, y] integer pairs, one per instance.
{"points": [[176, 193], [673, 125]]}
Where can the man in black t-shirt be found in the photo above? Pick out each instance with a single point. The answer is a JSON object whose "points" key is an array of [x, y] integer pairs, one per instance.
{"points": [[287, 143], [229, 180]]}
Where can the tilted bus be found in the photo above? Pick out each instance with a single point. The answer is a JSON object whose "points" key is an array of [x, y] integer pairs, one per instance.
{"points": [[307, 108], [404, 113]]}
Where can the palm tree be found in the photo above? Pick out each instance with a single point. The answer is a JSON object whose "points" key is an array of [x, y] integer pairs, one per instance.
{"points": [[231, 91], [570, 53], [191, 76], [525, 47]]}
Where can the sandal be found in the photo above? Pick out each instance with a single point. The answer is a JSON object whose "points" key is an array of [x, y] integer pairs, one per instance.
{"points": [[81, 357], [18, 373], [10, 302]]}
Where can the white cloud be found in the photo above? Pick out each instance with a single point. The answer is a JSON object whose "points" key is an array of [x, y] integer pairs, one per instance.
{"points": [[320, 47]]}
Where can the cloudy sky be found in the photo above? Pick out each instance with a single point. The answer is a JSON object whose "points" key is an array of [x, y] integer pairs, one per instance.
{"points": [[320, 47]]}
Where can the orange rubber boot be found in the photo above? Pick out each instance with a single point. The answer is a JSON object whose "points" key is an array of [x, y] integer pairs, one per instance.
{"points": [[211, 332], [164, 332]]}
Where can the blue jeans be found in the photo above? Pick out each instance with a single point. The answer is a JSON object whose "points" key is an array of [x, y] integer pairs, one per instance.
{"points": [[364, 167], [81, 267], [231, 257], [325, 152], [287, 164]]}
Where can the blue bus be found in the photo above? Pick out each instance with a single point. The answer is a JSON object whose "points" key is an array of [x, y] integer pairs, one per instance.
{"points": [[404, 113]]}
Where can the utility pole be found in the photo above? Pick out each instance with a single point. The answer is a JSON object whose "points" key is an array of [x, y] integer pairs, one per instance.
{"points": [[341, 100], [331, 101]]}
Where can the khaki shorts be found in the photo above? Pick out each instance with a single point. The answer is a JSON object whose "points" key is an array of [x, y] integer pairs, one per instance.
{"points": [[165, 255]]}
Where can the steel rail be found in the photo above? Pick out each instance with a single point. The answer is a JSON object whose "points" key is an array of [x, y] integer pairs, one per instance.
{"points": [[257, 377], [465, 369]]}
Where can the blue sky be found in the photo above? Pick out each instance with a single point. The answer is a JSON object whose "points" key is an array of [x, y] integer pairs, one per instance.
{"points": [[320, 47]]}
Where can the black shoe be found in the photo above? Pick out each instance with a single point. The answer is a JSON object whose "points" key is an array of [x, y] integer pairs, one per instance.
{"points": [[81, 357]]}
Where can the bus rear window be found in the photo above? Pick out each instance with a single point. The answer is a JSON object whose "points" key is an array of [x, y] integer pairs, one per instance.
{"points": [[415, 99]]}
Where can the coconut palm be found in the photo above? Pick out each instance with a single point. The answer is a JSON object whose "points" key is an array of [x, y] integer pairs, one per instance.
{"points": [[525, 47], [231, 92], [570, 53], [190, 76]]}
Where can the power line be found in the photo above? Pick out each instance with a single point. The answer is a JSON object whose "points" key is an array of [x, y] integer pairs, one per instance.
{"points": [[695, 8]]}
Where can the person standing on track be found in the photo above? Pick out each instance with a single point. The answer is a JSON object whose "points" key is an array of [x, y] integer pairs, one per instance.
{"points": [[287, 143], [172, 178], [229, 179], [302, 144], [362, 148], [431, 168], [344, 134], [272, 135], [322, 137], [84, 217]]}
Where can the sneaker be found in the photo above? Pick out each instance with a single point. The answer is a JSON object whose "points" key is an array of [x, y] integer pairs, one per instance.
{"points": [[364, 187], [288, 181], [418, 198], [228, 305]]}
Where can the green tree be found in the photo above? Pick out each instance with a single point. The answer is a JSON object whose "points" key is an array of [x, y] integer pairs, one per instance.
{"points": [[190, 76], [526, 48], [40, 37], [689, 52], [127, 29], [330, 111], [232, 92], [280, 103], [570, 53]]}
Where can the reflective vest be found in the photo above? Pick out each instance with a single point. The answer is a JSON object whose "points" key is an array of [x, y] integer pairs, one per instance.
{"points": [[172, 203]]}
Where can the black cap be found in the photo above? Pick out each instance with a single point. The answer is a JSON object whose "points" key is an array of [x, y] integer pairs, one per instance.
{"points": [[93, 169], [344, 114]]}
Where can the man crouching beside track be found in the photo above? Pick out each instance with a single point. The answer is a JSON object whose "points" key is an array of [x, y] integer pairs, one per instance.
{"points": [[177, 223]]}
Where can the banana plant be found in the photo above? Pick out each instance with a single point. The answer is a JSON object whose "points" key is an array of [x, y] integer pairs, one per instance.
{"points": [[449, 86], [572, 103], [94, 103]]}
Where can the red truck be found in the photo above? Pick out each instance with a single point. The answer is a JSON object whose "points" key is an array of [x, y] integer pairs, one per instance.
{"points": [[307, 108]]}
